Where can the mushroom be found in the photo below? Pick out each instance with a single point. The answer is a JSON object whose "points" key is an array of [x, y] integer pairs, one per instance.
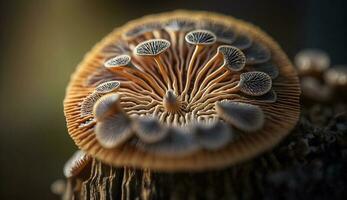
{"points": [[314, 90], [199, 38], [191, 94], [224, 33], [214, 135], [114, 126], [242, 41], [244, 116], [336, 77], [149, 129], [255, 83], [107, 87], [74, 166], [153, 48], [312, 62]]}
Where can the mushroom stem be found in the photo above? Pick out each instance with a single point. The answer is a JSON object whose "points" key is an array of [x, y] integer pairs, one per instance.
{"points": [[197, 50], [162, 70], [203, 70], [150, 80], [122, 71], [172, 103], [173, 38], [206, 81]]}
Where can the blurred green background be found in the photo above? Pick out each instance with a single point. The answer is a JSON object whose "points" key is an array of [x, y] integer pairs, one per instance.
{"points": [[43, 41]]}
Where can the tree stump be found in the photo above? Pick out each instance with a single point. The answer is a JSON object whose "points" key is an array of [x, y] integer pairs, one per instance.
{"points": [[310, 164]]}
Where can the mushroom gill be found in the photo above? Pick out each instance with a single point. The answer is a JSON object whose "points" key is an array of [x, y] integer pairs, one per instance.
{"points": [[180, 91]]}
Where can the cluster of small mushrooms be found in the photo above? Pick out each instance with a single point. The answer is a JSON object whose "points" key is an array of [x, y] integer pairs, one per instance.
{"points": [[319, 81], [182, 91]]}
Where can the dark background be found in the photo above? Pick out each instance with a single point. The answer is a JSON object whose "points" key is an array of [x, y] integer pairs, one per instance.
{"points": [[42, 41]]}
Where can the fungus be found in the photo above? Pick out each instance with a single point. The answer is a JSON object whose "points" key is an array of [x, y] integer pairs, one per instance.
{"points": [[234, 59], [312, 62], [118, 61], [242, 41], [76, 164], [224, 34], [255, 83], [177, 143], [107, 87], [149, 129], [244, 116], [336, 77], [214, 135], [313, 89], [114, 126], [183, 93], [257, 53]]}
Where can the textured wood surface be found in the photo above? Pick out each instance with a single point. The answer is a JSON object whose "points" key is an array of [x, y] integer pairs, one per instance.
{"points": [[309, 164]]}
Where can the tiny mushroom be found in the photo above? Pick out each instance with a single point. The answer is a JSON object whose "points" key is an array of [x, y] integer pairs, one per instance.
{"points": [[336, 77], [75, 165], [312, 62], [179, 91]]}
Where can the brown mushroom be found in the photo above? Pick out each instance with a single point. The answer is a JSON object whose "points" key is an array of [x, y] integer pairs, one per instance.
{"points": [[336, 78], [312, 62], [191, 93], [76, 164]]}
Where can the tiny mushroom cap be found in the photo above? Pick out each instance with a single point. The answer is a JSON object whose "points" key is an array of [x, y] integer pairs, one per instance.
{"points": [[140, 30], [213, 135], [76, 164], [149, 129], [118, 61], [269, 97], [88, 103], [177, 143], [114, 126], [312, 62], [182, 92], [106, 106], [234, 59], [269, 69], [313, 89], [336, 77], [201, 37], [179, 24], [152, 47], [223, 33], [242, 41], [257, 53], [58, 187], [244, 116], [107, 87], [255, 83]]}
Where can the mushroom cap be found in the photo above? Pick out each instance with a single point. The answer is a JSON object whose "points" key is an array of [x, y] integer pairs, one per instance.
{"points": [[336, 76], [311, 61], [76, 164], [255, 83], [180, 24], [114, 126], [244, 116], [234, 59], [201, 37], [107, 87], [223, 32], [121, 60], [213, 135], [187, 143], [149, 129], [151, 47]]}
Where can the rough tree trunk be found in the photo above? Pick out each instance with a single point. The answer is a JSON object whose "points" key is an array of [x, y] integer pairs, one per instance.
{"points": [[309, 164]]}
